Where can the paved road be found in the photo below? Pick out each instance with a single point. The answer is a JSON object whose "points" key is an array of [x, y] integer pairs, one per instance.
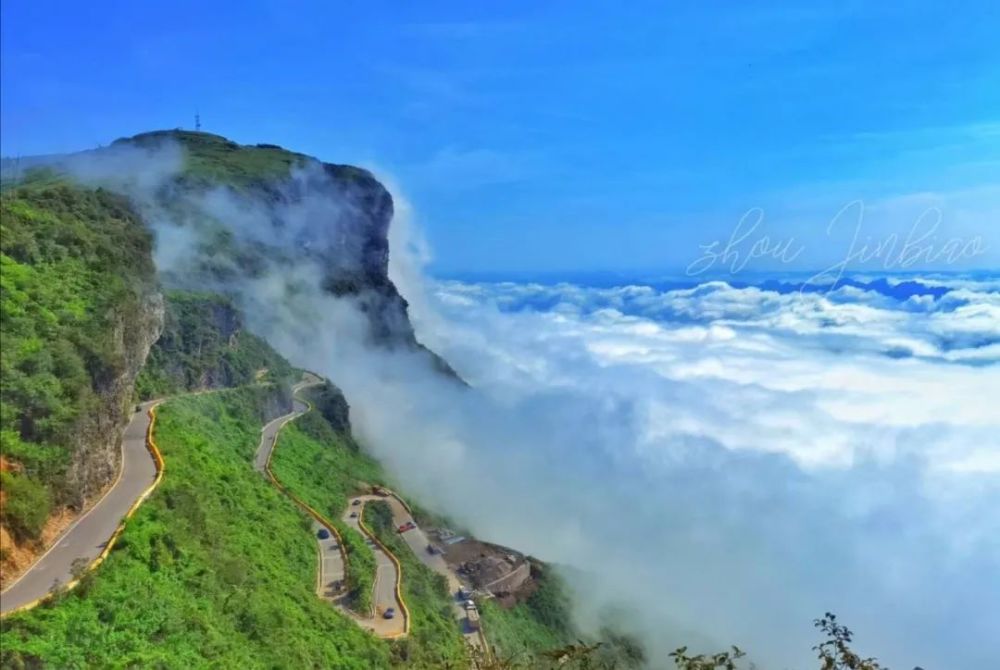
{"points": [[418, 542], [384, 595], [332, 571], [331, 565], [87, 536]]}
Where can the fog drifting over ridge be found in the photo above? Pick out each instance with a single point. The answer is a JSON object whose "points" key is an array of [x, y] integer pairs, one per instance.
{"points": [[730, 462], [722, 463]]}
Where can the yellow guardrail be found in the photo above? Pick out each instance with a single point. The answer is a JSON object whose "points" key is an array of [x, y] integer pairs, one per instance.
{"points": [[399, 574], [326, 523], [109, 545], [160, 467], [340, 540]]}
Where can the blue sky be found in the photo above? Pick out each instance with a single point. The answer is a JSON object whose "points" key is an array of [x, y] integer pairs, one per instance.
{"points": [[575, 136]]}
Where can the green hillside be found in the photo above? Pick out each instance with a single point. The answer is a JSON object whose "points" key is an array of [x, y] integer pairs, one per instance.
{"points": [[205, 345], [211, 160], [76, 264], [324, 473], [217, 569]]}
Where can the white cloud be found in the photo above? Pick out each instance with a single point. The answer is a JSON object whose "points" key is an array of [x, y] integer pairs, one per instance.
{"points": [[725, 463], [729, 462]]}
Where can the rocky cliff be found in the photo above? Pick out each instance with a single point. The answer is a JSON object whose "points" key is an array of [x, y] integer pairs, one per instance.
{"points": [[79, 310], [96, 445], [264, 229], [205, 345], [260, 212]]}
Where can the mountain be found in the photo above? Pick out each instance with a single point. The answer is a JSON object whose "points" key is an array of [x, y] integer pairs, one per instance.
{"points": [[83, 304], [157, 267], [79, 310]]}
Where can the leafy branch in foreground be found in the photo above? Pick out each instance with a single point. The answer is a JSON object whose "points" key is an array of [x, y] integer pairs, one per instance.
{"points": [[725, 660], [834, 653]]}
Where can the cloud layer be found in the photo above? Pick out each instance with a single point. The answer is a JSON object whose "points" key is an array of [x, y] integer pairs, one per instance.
{"points": [[718, 463], [726, 463]]}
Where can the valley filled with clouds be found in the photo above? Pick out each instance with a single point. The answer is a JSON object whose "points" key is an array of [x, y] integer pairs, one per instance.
{"points": [[722, 463]]}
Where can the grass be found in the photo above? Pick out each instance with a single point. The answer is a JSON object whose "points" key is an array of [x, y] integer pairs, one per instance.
{"points": [[323, 468], [217, 568], [213, 160], [540, 623]]}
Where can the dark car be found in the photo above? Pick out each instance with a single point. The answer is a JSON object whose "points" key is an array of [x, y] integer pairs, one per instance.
{"points": [[389, 613], [323, 534], [354, 515], [356, 502]]}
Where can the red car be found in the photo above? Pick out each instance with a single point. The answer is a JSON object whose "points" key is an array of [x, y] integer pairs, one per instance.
{"points": [[409, 525]]}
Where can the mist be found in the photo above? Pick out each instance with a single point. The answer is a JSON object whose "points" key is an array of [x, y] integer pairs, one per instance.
{"points": [[709, 465], [723, 484]]}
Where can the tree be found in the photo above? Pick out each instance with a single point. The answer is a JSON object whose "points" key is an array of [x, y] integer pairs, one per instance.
{"points": [[835, 652]]}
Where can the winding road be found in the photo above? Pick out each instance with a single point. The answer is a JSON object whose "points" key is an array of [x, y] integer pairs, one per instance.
{"points": [[417, 540], [86, 539], [385, 576], [332, 572], [330, 580]]}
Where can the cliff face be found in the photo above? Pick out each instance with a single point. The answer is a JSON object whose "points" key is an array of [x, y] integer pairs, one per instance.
{"points": [[261, 213], [96, 451], [205, 345], [267, 228], [79, 311]]}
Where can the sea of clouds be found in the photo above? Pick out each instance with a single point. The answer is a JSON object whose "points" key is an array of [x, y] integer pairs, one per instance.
{"points": [[709, 463], [721, 464]]}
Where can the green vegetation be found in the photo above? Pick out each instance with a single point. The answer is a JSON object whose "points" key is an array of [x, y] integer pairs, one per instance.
{"points": [[204, 345], [212, 160], [435, 637], [323, 468], [216, 569], [360, 569], [542, 622], [330, 403], [74, 270], [833, 653], [26, 504], [530, 631]]}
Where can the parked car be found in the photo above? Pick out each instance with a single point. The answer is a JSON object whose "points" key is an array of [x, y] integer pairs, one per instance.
{"points": [[354, 515], [323, 534], [432, 550], [389, 613], [356, 502]]}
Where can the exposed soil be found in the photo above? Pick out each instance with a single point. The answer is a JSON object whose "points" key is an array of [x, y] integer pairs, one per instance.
{"points": [[481, 564], [16, 558]]}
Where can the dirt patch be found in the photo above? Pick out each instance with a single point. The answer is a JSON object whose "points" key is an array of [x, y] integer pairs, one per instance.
{"points": [[18, 557], [503, 572]]}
